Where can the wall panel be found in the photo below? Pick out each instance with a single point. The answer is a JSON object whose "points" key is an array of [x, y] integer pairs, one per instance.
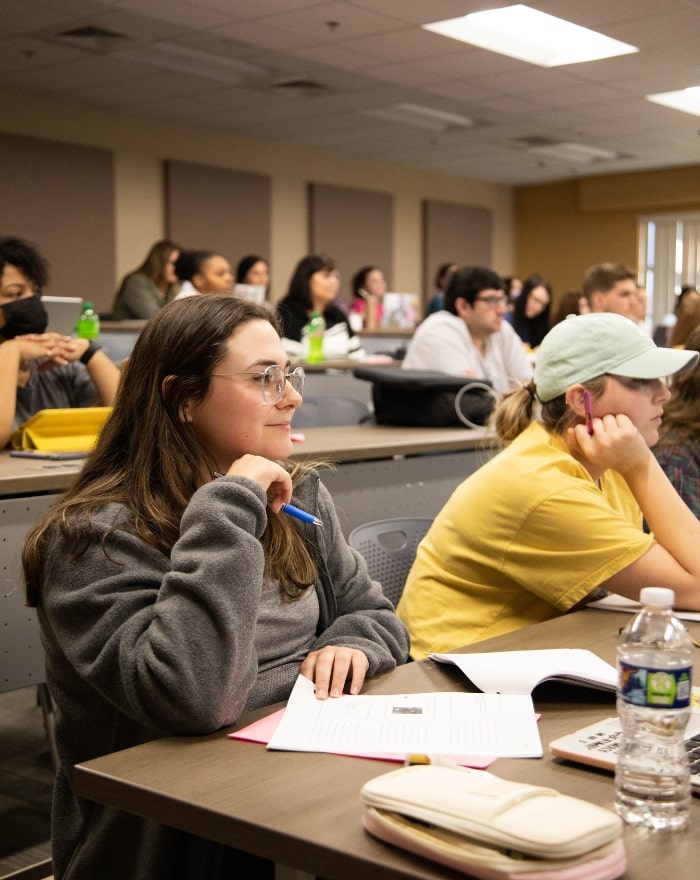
{"points": [[354, 226], [61, 197], [219, 209]]}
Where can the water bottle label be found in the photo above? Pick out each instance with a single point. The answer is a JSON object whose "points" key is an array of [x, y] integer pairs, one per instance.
{"points": [[659, 688]]}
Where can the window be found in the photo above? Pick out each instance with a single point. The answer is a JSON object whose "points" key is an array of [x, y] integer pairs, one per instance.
{"points": [[669, 257]]}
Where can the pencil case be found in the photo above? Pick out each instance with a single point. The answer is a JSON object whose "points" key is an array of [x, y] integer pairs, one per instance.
{"points": [[490, 828], [61, 430]]}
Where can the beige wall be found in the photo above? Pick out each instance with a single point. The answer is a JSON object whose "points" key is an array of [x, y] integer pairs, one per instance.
{"points": [[563, 228], [140, 147]]}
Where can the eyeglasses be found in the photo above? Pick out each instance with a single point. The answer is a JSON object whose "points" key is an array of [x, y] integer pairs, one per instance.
{"points": [[273, 382], [492, 302]]}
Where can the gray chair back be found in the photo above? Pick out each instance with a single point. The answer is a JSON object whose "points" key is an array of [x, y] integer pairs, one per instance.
{"points": [[389, 547]]}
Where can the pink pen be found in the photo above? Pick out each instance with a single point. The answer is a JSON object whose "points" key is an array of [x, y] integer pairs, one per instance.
{"points": [[589, 411]]}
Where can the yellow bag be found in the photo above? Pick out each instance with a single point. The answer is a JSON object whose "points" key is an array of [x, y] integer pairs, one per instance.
{"points": [[61, 430]]}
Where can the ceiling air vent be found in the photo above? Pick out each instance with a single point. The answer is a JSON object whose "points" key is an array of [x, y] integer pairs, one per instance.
{"points": [[568, 151]]}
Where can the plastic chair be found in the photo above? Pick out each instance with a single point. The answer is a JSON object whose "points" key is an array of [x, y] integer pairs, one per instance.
{"points": [[320, 410], [389, 547]]}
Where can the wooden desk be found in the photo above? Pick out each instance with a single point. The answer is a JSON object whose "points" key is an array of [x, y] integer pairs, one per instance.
{"points": [[304, 810]]}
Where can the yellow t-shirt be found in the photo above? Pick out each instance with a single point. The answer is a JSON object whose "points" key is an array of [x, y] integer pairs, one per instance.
{"points": [[523, 539]]}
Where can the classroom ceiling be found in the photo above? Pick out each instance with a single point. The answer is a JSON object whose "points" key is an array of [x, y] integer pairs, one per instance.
{"points": [[316, 74]]}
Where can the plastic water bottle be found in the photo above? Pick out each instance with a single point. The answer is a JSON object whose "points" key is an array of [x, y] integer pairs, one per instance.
{"points": [[315, 330], [88, 326], [654, 659]]}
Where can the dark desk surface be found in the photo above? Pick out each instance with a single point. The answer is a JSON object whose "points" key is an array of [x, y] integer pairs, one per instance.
{"points": [[304, 810]]}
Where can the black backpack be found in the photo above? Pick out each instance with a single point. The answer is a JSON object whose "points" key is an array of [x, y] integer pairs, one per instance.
{"points": [[426, 398]]}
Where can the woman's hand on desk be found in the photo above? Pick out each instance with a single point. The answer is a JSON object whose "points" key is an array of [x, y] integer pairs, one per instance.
{"points": [[330, 667]]}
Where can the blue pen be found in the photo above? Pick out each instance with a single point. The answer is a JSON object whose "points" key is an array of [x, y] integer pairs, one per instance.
{"points": [[291, 510], [300, 514]]}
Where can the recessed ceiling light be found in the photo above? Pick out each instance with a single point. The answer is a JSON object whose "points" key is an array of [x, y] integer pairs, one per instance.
{"points": [[421, 117], [687, 100], [581, 154], [529, 35], [181, 58]]}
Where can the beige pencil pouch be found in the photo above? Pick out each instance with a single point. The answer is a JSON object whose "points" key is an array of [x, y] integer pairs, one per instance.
{"points": [[476, 822]]}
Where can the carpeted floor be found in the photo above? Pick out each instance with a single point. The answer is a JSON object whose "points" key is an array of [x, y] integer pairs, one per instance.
{"points": [[26, 780]]}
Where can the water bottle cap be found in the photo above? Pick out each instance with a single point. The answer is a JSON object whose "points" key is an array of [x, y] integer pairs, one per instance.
{"points": [[658, 596]]}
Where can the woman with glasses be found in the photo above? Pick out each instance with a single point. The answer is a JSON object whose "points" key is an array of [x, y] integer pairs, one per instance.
{"points": [[174, 592], [556, 517]]}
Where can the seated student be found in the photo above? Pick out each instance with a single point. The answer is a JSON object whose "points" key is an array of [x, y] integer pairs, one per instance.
{"points": [[253, 270], [368, 282], [442, 278], [41, 370], [147, 289], [529, 316], [314, 286], [470, 337], [573, 302], [688, 320], [172, 591], [678, 449], [203, 272], [557, 515]]}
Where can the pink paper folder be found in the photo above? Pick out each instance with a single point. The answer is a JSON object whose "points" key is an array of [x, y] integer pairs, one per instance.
{"points": [[261, 731]]}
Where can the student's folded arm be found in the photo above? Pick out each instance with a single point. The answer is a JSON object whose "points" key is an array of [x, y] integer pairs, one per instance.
{"points": [[657, 567], [105, 375], [9, 371], [676, 530]]}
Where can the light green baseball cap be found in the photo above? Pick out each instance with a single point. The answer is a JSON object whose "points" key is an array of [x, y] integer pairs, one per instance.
{"points": [[582, 347]]}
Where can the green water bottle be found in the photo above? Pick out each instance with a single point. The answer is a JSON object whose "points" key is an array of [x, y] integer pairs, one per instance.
{"points": [[88, 326], [315, 330]]}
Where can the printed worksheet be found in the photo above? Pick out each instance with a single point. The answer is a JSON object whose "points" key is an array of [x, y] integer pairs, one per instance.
{"points": [[502, 725]]}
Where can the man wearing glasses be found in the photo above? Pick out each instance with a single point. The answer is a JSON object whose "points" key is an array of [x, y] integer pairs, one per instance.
{"points": [[470, 337]]}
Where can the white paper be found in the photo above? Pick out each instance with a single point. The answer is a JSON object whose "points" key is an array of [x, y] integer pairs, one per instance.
{"points": [[518, 672], [613, 602], [429, 723]]}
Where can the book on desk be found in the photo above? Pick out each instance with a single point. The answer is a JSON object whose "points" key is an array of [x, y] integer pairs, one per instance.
{"points": [[519, 672]]}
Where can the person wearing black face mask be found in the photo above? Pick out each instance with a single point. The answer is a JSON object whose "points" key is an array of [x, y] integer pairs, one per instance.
{"points": [[40, 370], [22, 316]]}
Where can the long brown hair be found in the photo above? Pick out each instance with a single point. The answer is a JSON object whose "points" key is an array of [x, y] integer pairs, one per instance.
{"points": [[147, 457], [682, 410]]}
